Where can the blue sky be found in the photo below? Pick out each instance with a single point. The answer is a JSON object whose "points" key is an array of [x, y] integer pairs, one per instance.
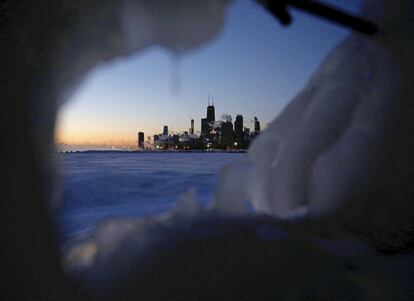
{"points": [[254, 67]]}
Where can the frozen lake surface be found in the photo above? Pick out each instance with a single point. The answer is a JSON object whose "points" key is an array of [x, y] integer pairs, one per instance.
{"points": [[104, 184]]}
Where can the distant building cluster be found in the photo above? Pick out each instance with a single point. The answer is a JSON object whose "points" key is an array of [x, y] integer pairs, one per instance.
{"points": [[215, 134]]}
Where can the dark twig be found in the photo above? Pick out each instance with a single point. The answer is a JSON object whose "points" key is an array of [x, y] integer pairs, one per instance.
{"points": [[279, 9]]}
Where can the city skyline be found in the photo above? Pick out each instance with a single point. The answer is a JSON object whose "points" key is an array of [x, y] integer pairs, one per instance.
{"points": [[253, 68], [193, 129], [215, 134]]}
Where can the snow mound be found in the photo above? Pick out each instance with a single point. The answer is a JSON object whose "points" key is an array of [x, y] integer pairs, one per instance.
{"points": [[328, 146]]}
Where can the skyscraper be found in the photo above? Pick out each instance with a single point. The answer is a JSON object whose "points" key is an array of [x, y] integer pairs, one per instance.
{"points": [[165, 131], [205, 128], [246, 133], [176, 140], [238, 131], [227, 134], [140, 140], [256, 125], [211, 116], [192, 127]]}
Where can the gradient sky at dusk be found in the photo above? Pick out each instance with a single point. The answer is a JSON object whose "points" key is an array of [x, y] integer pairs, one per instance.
{"points": [[254, 67]]}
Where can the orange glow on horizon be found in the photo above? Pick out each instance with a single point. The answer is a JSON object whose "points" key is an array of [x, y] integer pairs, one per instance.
{"points": [[93, 134], [85, 137]]}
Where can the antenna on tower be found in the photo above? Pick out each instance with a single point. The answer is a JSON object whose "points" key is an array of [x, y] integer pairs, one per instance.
{"points": [[208, 97]]}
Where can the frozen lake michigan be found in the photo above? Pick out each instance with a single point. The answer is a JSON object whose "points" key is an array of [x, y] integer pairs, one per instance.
{"points": [[100, 185]]}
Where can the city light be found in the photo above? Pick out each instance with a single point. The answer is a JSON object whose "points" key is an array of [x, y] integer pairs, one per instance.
{"points": [[214, 134]]}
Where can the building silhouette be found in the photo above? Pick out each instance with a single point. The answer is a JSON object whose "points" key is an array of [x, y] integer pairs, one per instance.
{"points": [[192, 127], [205, 128], [214, 134], [247, 137], [238, 131], [227, 134], [256, 125], [175, 140], [140, 140], [211, 116], [208, 122]]}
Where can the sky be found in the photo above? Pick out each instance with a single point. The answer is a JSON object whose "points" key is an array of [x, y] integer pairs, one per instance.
{"points": [[253, 68]]}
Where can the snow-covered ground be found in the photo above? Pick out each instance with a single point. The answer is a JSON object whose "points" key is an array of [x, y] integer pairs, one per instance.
{"points": [[101, 185]]}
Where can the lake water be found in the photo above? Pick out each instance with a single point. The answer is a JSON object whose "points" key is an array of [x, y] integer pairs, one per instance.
{"points": [[100, 185]]}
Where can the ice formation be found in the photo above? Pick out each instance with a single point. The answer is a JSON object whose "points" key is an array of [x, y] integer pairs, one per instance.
{"points": [[325, 148]]}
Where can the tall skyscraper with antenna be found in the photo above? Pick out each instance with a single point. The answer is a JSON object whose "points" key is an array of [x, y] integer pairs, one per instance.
{"points": [[208, 122], [211, 116]]}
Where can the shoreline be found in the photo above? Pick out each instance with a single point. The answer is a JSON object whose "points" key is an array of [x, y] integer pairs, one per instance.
{"points": [[153, 151]]}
